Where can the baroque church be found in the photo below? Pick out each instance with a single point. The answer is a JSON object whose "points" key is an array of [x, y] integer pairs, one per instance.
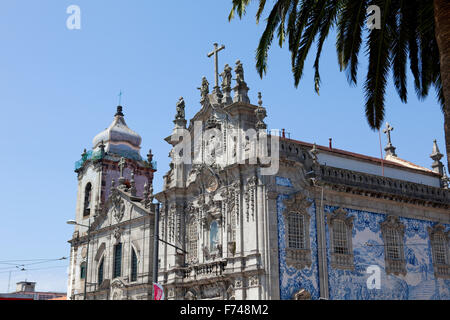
{"points": [[250, 215]]}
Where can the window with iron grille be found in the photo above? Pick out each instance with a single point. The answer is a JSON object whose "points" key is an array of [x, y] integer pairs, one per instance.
{"points": [[439, 245], [393, 232], [134, 264], [117, 270], [440, 249], [296, 230], [100, 273], [340, 239], [393, 244]]}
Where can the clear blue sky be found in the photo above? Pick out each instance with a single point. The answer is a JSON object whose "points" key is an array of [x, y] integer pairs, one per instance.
{"points": [[59, 87]]}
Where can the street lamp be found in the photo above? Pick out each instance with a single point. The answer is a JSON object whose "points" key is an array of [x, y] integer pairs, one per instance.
{"points": [[73, 222]]}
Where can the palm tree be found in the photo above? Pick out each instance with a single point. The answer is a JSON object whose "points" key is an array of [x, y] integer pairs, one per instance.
{"points": [[414, 30]]}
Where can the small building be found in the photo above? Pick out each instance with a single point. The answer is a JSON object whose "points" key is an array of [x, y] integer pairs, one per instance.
{"points": [[26, 290]]}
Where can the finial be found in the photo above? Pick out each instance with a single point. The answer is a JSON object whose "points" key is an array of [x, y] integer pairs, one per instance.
{"points": [[215, 53], [150, 156], [390, 149], [84, 154], [436, 156], [119, 111], [122, 164], [132, 185], [102, 149], [260, 113]]}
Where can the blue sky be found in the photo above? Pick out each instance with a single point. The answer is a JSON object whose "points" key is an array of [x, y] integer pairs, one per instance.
{"points": [[59, 87]]}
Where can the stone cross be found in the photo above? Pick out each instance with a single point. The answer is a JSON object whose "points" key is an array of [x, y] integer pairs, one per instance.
{"points": [[388, 132], [121, 166], [216, 61]]}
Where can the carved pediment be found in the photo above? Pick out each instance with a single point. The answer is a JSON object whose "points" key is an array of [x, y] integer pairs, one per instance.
{"points": [[297, 203]]}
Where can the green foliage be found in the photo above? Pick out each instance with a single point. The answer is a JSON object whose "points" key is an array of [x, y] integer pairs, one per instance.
{"points": [[406, 34]]}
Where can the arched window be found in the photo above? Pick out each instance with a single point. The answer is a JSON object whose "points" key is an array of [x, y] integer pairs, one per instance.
{"points": [[87, 199], [83, 270], [134, 265], [100, 272], [117, 270]]}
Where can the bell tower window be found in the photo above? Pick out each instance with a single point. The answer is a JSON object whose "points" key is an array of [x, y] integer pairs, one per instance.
{"points": [[87, 200]]}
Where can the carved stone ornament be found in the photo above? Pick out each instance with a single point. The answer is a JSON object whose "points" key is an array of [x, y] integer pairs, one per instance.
{"points": [[117, 289], [303, 294], [297, 202], [190, 295], [118, 205], [117, 235]]}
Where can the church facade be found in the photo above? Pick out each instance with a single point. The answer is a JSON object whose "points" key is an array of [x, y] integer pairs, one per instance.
{"points": [[246, 214]]}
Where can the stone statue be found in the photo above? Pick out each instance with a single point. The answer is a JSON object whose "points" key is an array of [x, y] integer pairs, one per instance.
{"points": [[239, 70], [204, 89], [180, 109], [226, 78]]}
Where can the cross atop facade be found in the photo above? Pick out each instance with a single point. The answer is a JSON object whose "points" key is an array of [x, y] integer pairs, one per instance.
{"points": [[387, 131], [216, 62], [122, 164]]}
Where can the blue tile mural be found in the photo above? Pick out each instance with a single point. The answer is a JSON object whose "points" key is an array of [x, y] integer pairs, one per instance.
{"points": [[292, 279], [368, 249]]}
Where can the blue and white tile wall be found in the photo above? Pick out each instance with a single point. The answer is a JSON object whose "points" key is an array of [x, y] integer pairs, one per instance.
{"points": [[368, 249], [292, 279]]}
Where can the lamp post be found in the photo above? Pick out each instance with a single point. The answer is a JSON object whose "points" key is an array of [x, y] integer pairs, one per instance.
{"points": [[73, 222]]}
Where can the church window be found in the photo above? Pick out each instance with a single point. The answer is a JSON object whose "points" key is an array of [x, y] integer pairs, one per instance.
{"points": [[393, 231], [117, 270], [439, 247], [87, 199], [340, 228], [296, 227], [192, 241], [100, 273], [83, 271], [134, 265], [296, 220], [213, 236]]}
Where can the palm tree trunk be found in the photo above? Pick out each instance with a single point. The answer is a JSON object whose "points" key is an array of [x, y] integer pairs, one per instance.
{"points": [[442, 29]]}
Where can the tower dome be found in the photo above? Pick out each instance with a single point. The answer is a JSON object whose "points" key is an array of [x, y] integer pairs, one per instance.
{"points": [[119, 139]]}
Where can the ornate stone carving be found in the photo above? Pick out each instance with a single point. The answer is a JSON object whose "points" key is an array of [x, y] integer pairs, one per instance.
{"points": [[117, 234], [118, 205], [302, 294]]}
